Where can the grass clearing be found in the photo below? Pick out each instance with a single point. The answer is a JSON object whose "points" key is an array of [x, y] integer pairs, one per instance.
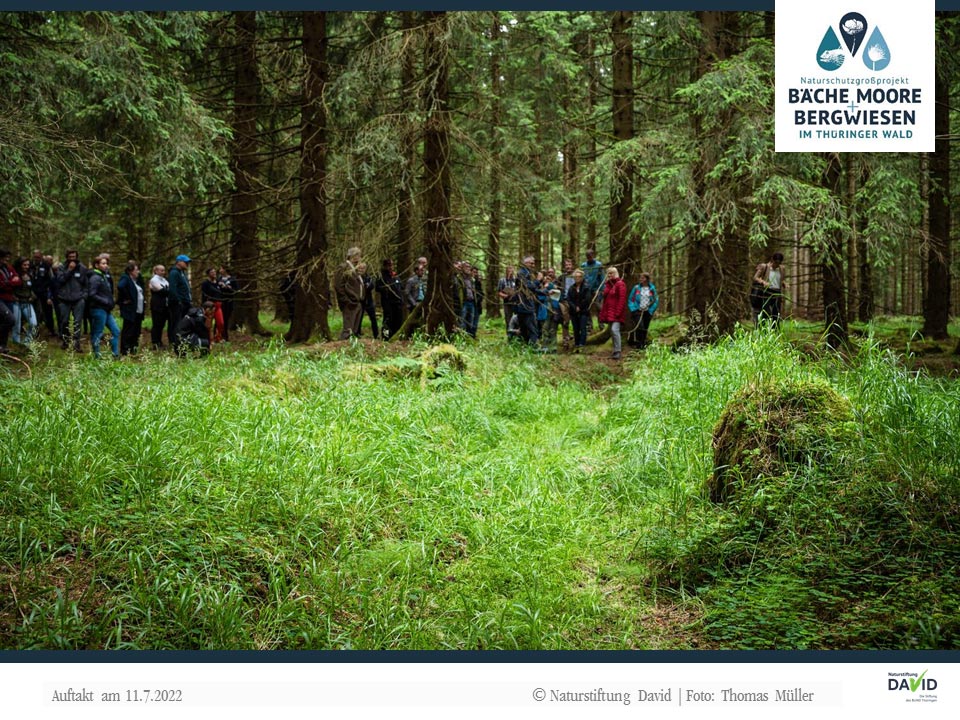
{"points": [[279, 498]]}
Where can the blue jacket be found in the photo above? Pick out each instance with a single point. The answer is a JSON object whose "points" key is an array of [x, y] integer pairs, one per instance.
{"points": [[180, 287], [633, 301]]}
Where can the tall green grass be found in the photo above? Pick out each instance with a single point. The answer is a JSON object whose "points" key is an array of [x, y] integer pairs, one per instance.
{"points": [[274, 499]]}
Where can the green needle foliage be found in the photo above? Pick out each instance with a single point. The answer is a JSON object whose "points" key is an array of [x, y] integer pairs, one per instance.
{"points": [[282, 499]]}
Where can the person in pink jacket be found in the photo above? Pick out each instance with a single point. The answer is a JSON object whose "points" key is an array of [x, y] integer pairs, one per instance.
{"points": [[614, 307]]}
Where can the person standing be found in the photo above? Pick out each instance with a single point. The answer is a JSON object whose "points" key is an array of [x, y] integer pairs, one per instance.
{"points": [[23, 306], [130, 297], [593, 277], [506, 290], [180, 299], [72, 286], [468, 306], [9, 281], [369, 302], [101, 307], [614, 307], [348, 286], [42, 280], [526, 301], [579, 298], [228, 289], [771, 276], [391, 299], [414, 288], [643, 302], [159, 308], [211, 291]]}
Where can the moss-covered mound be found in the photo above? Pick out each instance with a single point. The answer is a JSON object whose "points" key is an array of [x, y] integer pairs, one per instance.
{"points": [[765, 429], [435, 362]]}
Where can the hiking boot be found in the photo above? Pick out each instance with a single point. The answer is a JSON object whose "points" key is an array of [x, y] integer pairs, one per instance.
{"points": [[615, 356]]}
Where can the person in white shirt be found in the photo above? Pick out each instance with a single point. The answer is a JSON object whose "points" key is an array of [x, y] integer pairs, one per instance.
{"points": [[159, 313], [772, 277]]}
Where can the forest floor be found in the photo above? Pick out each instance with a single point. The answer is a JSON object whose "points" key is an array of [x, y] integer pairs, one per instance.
{"points": [[322, 496]]}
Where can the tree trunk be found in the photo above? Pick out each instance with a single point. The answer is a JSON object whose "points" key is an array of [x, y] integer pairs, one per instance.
{"points": [[936, 307], [405, 205], [496, 200], [622, 200], [436, 164], [833, 300], [313, 288], [244, 244], [715, 265]]}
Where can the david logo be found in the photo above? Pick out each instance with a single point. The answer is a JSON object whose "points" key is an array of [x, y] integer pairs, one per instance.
{"points": [[853, 29], [913, 683]]}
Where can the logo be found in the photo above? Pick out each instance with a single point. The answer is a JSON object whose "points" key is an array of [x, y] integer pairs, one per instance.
{"points": [[911, 682], [853, 29]]}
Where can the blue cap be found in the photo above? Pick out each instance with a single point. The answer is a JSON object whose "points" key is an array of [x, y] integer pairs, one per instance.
{"points": [[184, 258]]}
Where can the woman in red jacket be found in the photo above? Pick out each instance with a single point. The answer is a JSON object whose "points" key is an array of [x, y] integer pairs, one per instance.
{"points": [[614, 307]]}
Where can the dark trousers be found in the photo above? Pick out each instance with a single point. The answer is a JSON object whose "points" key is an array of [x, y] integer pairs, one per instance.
{"points": [[638, 332], [130, 335], [158, 316], [6, 322], [227, 313], [175, 311], [529, 328], [468, 317], [45, 315], [771, 307], [370, 310], [68, 334], [392, 319], [581, 323]]}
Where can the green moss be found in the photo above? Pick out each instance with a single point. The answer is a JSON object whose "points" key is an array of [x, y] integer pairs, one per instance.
{"points": [[767, 429]]}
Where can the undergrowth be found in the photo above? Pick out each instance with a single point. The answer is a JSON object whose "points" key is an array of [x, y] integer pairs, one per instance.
{"points": [[284, 498]]}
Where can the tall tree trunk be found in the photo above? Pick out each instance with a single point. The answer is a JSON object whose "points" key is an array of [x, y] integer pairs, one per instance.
{"points": [[936, 308], [865, 307], [715, 266], [622, 201], [590, 61], [313, 288], [436, 164], [405, 205], [853, 240], [244, 244], [496, 199], [833, 298]]}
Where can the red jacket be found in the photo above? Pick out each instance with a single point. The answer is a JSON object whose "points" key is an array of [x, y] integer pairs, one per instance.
{"points": [[9, 280], [614, 307]]}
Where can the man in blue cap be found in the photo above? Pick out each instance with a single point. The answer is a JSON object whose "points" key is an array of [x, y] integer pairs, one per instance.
{"points": [[180, 298]]}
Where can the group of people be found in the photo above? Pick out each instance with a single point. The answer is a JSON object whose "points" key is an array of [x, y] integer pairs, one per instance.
{"points": [[538, 303], [72, 300]]}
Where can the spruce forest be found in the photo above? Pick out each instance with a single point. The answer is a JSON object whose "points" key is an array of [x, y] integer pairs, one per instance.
{"points": [[732, 485]]}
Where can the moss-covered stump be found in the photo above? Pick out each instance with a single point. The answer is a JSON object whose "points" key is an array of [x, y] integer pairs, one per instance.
{"points": [[435, 362], [767, 429]]}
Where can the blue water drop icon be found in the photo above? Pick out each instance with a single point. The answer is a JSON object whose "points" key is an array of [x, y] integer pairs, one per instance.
{"points": [[876, 54], [830, 55]]}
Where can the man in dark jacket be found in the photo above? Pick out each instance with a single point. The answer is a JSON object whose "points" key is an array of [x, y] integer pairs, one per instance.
{"points": [[390, 288], [101, 308], [180, 298], [42, 280], [193, 330], [526, 301], [72, 289]]}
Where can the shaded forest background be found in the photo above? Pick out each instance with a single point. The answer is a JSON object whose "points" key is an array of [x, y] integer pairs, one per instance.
{"points": [[273, 141]]}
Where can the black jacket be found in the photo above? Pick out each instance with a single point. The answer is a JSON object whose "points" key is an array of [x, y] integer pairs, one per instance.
{"points": [[72, 284], [100, 291]]}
